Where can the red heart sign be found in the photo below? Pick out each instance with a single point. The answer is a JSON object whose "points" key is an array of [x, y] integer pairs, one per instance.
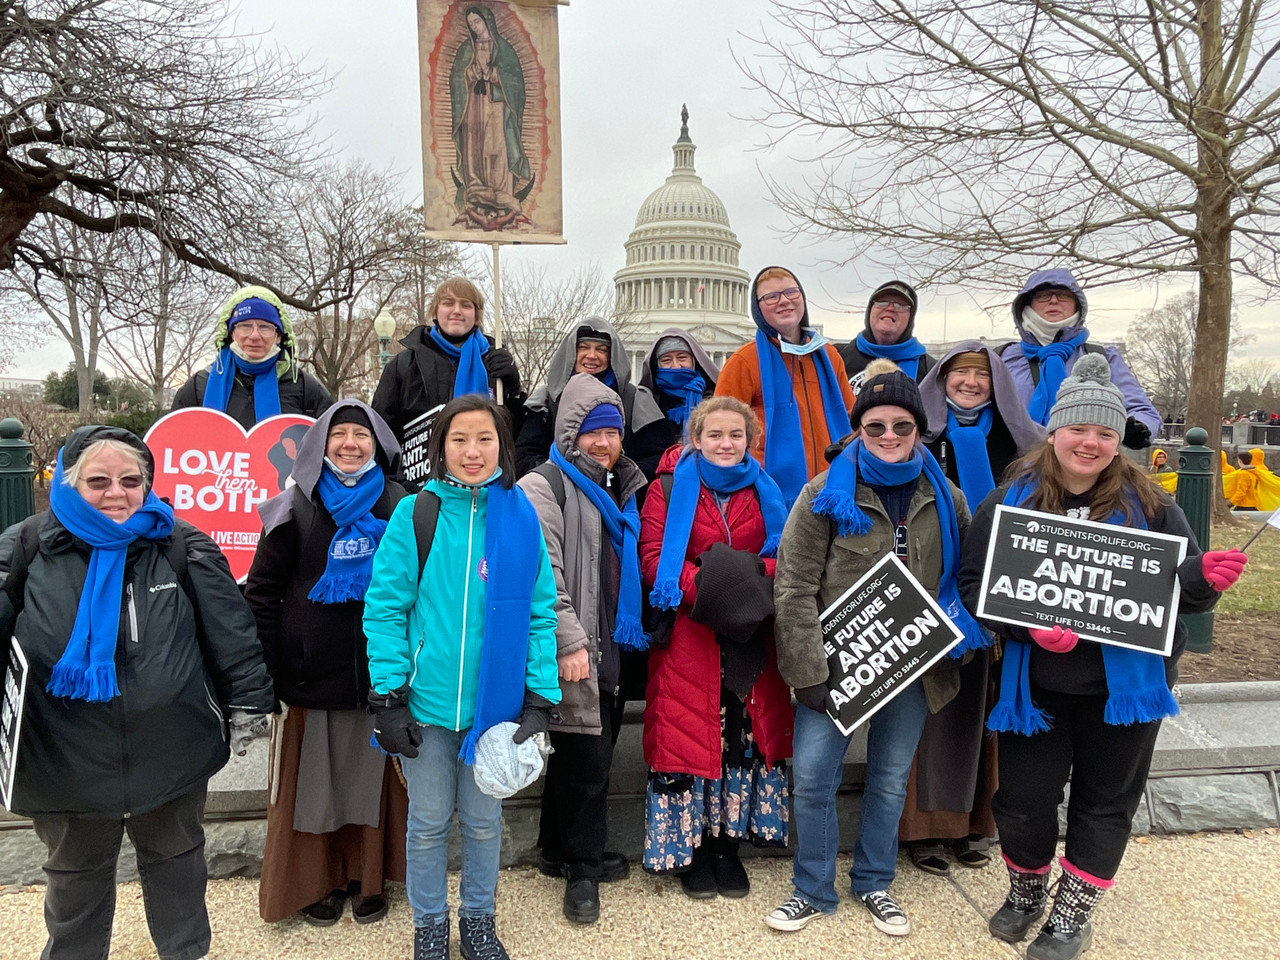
{"points": [[215, 475]]}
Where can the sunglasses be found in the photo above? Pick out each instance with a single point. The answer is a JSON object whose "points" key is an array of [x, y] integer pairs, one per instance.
{"points": [[130, 481], [899, 428]]}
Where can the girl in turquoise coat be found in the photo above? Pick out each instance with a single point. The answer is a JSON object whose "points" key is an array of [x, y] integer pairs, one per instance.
{"points": [[458, 643]]}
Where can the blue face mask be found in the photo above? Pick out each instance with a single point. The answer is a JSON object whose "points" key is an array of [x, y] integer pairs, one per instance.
{"points": [[815, 342], [349, 479]]}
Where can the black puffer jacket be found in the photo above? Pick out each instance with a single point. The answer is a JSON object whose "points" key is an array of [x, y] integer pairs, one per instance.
{"points": [[315, 652], [303, 395], [421, 376], [180, 671]]}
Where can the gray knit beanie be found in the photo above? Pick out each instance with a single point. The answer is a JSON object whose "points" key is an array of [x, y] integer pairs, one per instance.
{"points": [[1089, 397]]}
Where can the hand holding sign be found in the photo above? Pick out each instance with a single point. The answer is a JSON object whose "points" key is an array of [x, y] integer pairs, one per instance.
{"points": [[1222, 568], [1056, 639]]}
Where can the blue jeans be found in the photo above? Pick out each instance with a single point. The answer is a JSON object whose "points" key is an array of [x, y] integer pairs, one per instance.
{"points": [[437, 781], [816, 771]]}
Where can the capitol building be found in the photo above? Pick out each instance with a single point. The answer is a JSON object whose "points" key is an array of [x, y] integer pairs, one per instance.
{"points": [[682, 266]]}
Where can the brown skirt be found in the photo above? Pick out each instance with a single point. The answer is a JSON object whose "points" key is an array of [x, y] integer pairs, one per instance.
{"points": [[954, 774], [299, 869]]}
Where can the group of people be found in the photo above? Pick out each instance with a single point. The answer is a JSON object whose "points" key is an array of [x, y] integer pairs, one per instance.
{"points": [[675, 539]]}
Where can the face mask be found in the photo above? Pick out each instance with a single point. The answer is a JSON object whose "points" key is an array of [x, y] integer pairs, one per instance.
{"points": [[815, 341], [235, 348], [350, 478], [1043, 330]]}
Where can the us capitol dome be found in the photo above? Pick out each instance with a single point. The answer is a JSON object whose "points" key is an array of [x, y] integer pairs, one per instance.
{"points": [[682, 266]]}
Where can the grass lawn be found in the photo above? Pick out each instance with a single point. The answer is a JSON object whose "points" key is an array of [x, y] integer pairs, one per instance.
{"points": [[1258, 592]]}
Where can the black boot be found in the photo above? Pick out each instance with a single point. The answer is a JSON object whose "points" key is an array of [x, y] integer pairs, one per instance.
{"points": [[478, 939], [731, 875], [699, 882], [1028, 891], [432, 941], [1067, 933], [581, 896]]}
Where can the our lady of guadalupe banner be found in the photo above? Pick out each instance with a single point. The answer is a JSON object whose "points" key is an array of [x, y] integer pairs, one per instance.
{"points": [[215, 475], [490, 74]]}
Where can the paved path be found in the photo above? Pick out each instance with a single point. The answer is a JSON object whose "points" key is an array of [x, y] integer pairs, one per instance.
{"points": [[1186, 897]]}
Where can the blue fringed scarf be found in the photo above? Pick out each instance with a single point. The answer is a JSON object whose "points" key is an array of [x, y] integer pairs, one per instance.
{"points": [[693, 471], [512, 551], [784, 454], [266, 385], [623, 527], [969, 447], [350, 565], [906, 354], [1137, 691], [87, 668], [471, 377], [837, 503], [687, 386], [1053, 359]]}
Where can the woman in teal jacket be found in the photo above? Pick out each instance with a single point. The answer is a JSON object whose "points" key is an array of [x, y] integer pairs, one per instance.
{"points": [[465, 646]]}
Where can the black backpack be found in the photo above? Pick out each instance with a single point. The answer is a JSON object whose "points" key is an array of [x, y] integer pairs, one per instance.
{"points": [[27, 546]]}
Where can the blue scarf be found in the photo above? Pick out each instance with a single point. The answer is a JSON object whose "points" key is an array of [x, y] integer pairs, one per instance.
{"points": [[784, 454], [87, 668], [1137, 691], [471, 377], [266, 386], [684, 385], [837, 503], [350, 565], [906, 354], [693, 472], [1053, 359], [969, 447], [512, 551], [623, 527]]}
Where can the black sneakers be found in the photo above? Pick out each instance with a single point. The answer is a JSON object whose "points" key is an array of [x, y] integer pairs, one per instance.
{"points": [[793, 915], [478, 939], [885, 913], [432, 941], [613, 866]]}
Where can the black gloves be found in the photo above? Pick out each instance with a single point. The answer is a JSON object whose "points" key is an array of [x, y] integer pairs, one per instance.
{"points": [[814, 697], [1136, 435], [393, 724], [502, 366], [534, 719]]}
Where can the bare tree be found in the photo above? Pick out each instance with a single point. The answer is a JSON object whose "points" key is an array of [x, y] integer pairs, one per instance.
{"points": [[150, 115], [538, 312], [1160, 347], [45, 427], [977, 140], [1251, 375], [347, 240]]}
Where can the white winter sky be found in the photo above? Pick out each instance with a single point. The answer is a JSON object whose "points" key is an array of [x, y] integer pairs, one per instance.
{"points": [[626, 67]]}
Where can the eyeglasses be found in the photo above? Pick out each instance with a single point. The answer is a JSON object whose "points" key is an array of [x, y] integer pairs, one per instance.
{"points": [[1044, 296], [899, 428], [892, 305], [261, 329], [130, 481], [791, 293]]}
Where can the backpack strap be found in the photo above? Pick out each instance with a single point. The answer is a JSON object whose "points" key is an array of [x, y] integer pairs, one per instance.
{"points": [[666, 481], [426, 513], [555, 479]]}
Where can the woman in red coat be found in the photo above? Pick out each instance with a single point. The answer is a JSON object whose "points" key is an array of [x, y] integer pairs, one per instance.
{"points": [[717, 722]]}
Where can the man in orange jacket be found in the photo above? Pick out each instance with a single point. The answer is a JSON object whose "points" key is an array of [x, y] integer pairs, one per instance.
{"points": [[793, 379]]}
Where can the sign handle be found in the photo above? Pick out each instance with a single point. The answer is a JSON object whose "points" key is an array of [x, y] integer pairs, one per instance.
{"points": [[1254, 537], [497, 315]]}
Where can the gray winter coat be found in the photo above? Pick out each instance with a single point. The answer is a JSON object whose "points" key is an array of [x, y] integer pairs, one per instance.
{"points": [[577, 545]]}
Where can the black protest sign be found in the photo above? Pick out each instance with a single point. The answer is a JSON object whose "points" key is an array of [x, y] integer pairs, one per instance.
{"points": [[1108, 583], [880, 637], [15, 691], [413, 448]]}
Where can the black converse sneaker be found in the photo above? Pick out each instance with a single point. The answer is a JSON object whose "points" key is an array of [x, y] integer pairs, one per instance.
{"points": [[793, 915], [885, 913]]}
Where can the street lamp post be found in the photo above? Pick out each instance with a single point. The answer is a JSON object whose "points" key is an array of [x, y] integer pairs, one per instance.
{"points": [[384, 325]]}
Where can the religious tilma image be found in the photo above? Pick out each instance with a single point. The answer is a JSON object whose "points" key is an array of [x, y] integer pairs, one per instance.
{"points": [[490, 120]]}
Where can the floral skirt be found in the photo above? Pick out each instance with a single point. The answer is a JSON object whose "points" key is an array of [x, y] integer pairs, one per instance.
{"points": [[747, 802]]}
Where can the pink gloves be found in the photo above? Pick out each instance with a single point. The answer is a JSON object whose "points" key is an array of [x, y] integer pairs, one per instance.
{"points": [[1222, 568], [1056, 639]]}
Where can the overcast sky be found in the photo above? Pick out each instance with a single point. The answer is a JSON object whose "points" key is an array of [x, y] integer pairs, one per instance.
{"points": [[626, 68]]}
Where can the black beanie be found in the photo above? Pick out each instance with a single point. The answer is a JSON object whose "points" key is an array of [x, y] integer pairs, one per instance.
{"points": [[351, 414], [888, 388]]}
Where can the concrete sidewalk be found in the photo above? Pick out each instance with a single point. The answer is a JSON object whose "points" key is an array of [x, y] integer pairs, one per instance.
{"points": [[1176, 898]]}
